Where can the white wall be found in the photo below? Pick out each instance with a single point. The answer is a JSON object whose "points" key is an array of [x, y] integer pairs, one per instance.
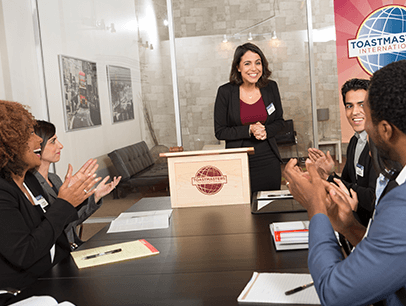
{"points": [[69, 28], [20, 75]]}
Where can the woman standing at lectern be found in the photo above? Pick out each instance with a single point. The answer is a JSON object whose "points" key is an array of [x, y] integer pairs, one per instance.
{"points": [[248, 113]]}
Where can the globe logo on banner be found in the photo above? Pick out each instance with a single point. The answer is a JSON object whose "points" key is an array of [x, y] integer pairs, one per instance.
{"points": [[209, 180], [381, 38]]}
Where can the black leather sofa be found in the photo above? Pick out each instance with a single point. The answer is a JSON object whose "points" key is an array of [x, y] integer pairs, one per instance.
{"points": [[136, 166]]}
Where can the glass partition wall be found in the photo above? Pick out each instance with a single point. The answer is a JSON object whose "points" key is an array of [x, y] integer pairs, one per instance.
{"points": [[176, 64], [206, 34]]}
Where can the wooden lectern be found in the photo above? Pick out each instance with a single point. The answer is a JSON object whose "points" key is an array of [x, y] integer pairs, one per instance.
{"points": [[209, 177]]}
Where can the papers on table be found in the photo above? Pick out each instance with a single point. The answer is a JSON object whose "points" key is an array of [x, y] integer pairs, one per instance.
{"points": [[42, 300], [290, 235], [271, 288], [113, 253], [138, 221], [266, 197]]}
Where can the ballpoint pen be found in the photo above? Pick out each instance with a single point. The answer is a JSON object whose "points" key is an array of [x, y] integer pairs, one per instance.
{"points": [[300, 288], [101, 254]]}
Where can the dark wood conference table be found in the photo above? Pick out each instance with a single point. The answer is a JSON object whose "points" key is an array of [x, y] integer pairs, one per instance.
{"points": [[207, 256]]}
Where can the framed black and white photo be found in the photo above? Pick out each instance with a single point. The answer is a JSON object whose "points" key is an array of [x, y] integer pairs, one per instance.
{"points": [[80, 93], [121, 94]]}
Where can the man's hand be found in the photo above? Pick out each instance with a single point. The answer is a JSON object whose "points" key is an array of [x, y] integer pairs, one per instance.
{"points": [[351, 198], [324, 163], [307, 187], [341, 215]]}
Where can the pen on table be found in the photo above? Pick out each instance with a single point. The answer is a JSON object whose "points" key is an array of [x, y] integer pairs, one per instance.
{"points": [[300, 288], [101, 254]]}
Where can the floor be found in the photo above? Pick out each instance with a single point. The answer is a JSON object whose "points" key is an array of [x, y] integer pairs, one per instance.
{"points": [[114, 207]]}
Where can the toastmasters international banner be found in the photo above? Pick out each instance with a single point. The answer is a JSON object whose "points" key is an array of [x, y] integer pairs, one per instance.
{"points": [[370, 35]]}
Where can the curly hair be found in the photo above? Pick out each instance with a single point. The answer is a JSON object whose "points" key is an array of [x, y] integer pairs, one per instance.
{"points": [[235, 75], [387, 95], [354, 84], [15, 125]]}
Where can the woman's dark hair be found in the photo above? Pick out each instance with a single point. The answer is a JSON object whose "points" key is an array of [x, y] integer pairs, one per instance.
{"points": [[15, 125], [235, 75], [45, 130]]}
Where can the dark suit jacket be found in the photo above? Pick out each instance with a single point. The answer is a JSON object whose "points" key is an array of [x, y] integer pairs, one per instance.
{"points": [[227, 118], [86, 209], [27, 233], [364, 186]]}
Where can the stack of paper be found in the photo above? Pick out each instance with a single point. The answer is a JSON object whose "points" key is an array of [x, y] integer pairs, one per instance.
{"points": [[290, 235], [142, 220]]}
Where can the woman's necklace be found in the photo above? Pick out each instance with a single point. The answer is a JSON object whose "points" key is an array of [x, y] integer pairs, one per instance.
{"points": [[247, 94]]}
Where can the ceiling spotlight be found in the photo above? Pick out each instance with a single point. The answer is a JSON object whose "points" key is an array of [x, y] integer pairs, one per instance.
{"points": [[225, 38], [249, 36], [274, 35], [166, 23]]}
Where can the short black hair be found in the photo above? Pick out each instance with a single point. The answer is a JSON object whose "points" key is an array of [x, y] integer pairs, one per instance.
{"points": [[354, 84], [45, 130], [235, 75], [387, 95]]}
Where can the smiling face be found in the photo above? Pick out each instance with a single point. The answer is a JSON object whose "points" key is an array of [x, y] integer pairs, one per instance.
{"points": [[354, 109], [52, 150], [250, 67], [32, 156]]}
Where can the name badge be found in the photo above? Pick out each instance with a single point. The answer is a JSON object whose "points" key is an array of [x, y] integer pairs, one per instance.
{"points": [[270, 109], [360, 170], [40, 200]]}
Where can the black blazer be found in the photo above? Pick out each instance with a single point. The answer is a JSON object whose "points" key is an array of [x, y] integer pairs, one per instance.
{"points": [[27, 233], [227, 117], [365, 185]]}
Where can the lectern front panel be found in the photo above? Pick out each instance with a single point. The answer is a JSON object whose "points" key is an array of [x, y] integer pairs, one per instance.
{"points": [[205, 180]]}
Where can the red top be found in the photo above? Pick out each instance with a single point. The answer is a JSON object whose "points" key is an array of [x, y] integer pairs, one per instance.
{"points": [[252, 113]]}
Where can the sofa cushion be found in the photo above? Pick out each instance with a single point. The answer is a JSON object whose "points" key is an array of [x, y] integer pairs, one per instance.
{"points": [[131, 160]]}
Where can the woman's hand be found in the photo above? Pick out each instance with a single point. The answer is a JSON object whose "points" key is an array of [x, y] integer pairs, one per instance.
{"points": [[79, 190], [88, 169], [104, 189], [258, 130]]}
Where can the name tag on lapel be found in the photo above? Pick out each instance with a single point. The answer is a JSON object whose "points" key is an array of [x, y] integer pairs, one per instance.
{"points": [[360, 170], [40, 200], [270, 109]]}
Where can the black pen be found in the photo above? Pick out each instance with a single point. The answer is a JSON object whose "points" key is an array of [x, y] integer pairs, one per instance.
{"points": [[300, 288], [101, 254]]}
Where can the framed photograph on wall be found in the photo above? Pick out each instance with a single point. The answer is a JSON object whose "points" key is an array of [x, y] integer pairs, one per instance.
{"points": [[80, 93], [121, 94]]}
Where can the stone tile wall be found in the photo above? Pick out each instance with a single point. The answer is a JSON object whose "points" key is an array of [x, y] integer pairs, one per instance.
{"points": [[203, 64]]}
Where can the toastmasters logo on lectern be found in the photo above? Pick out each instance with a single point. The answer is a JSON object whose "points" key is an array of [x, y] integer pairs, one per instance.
{"points": [[381, 38], [209, 180]]}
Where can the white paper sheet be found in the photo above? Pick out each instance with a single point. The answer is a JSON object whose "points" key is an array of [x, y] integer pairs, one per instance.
{"points": [[138, 221], [271, 288]]}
